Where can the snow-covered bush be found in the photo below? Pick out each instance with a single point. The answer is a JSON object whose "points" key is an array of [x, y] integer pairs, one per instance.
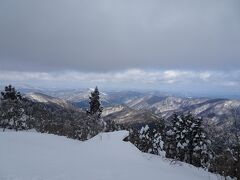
{"points": [[149, 138]]}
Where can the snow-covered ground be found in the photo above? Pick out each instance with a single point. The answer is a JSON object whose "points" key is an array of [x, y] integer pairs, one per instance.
{"points": [[36, 156], [110, 110]]}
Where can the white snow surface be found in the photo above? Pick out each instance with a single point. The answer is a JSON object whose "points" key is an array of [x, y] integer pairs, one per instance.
{"points": [[110, 110], [38, 97], [36, 156]]}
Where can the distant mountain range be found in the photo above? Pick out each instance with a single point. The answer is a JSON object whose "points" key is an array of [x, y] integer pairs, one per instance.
{"points": [[138, 107], [122, 114], [46, 99]]}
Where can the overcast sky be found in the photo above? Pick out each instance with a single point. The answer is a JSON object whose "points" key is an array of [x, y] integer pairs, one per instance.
{"points": [[87, 38]]}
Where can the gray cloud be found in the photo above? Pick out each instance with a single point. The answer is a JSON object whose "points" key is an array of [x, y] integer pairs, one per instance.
{"points": [[173, 80], [59, 35]]}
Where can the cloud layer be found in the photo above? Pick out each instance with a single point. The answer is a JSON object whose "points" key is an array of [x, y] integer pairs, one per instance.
{"points": [[168, 80], [93, 35]]}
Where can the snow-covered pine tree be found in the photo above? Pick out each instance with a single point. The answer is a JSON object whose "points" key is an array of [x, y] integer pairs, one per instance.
{"points": [[201, 145], [158, 138], [189, 139], [180, 128], [95, 104], [149, 138], [193, 145], [145, 143], [12, 112], [94, 124], [170, 143], [177, 138]]}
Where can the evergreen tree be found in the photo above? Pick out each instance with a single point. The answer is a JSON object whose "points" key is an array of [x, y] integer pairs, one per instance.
{"points": [[201, 154], [94, 123], [158, 138], [189, 140], [12, 112], [190, 130], [95, 105], [171, 135], [149, 139], [176, 138], [181, 129]]}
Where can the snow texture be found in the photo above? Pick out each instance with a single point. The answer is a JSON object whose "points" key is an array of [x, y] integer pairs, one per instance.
{"points": [[36, 156]]}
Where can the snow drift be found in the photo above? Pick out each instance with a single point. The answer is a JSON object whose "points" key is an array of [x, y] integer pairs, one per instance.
{"points": [[35, 156]]}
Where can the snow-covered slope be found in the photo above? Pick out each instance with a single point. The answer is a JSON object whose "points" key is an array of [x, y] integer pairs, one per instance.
{"points": [[42, 98], [217, 109], [122, 114], [35, 156], [110, 110]]}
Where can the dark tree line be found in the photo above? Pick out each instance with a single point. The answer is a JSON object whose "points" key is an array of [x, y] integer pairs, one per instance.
{"points": [[19, 113]]}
